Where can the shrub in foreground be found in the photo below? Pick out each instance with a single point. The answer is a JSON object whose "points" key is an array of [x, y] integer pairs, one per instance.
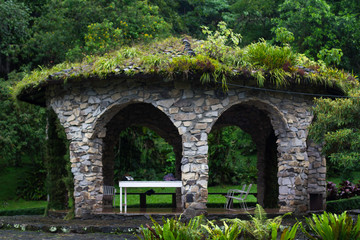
{"points": [[332, 227], [259, 227]]}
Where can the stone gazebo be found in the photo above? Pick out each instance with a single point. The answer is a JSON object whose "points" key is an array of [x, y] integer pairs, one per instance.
{"points": [[94, 110]]}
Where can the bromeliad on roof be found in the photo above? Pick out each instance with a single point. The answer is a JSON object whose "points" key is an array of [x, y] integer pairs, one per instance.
{"points": [[207, 61]]}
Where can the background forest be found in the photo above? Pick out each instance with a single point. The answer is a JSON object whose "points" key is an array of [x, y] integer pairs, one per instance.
{"points": [[38, 33]]}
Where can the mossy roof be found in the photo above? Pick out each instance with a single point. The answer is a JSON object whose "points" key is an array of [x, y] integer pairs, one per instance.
{"points": [[268, 65]]}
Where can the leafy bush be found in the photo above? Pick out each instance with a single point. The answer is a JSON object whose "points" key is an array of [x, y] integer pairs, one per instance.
{"points": [[331, 226], [215, 45], [343, 204], [32, 185], [260, 227], [173, 229], [229, 232]]}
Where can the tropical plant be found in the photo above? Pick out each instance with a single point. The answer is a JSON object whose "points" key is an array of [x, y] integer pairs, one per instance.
{"points": [[260, 227], [289, 233], [227, 232], [172, 229], [332, 227]]}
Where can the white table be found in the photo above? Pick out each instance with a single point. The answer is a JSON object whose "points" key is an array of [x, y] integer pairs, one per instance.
{"points": [[133, 184]]}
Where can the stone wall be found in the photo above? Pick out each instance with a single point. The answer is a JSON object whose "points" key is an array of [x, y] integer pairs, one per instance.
{"points": [[92, 113]]}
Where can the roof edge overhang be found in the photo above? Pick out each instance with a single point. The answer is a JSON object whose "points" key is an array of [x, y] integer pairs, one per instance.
{"points": [[36, 94]]}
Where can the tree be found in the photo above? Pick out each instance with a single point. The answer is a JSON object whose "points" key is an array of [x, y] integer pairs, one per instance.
{"points": [[14, 30], [232, 156], [19, 125], [203, 13], [337, 127], [252, 18], [311, 21], [62, 26], [316, 27]]}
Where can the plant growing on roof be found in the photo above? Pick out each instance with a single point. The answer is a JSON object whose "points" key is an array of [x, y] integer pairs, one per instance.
{"points": [[283, 35], [274, 60], [216, 44], [332, 56]]}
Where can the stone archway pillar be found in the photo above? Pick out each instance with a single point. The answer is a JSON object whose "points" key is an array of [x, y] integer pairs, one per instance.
{"points": [[86, 165], [293, 172], [195, 174], [317, 177]]}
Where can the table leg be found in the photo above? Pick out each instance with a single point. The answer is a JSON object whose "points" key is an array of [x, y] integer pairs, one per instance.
{"points": [[121, 199], [142, 200], [125, 200]]}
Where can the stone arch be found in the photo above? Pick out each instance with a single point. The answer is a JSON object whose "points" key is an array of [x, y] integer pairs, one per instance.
{"points": [[130, 114], [265, 124], [276, 116]]}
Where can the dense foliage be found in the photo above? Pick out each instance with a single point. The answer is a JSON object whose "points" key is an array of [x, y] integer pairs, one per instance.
{"points": [[318, 226], [20, 123], [259, 227], [232, 157], [337, 126], [139, 146]]}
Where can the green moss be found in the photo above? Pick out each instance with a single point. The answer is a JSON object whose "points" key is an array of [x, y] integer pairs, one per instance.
{"points": [[261, 61]]}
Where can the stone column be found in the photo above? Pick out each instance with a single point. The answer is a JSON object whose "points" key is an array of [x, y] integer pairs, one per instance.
{"points": [[294, 164], [88, 180], [195, 174], [317, 177]]}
